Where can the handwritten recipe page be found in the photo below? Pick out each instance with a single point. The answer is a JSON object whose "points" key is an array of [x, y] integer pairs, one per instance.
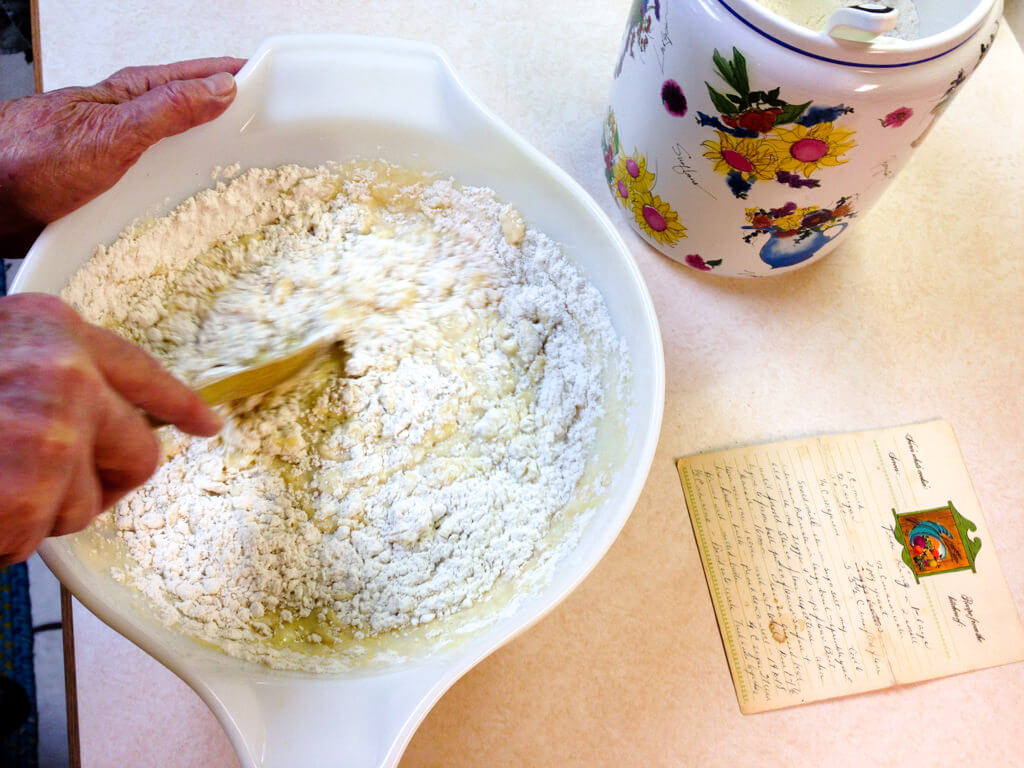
{"points": [[848, 563]]}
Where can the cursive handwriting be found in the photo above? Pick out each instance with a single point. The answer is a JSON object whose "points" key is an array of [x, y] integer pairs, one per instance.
{"points": [[810, 581], [968, 603], [918, 465], [810, 607], [683, 167], [895, 461], [663, 45], [956, 611]]}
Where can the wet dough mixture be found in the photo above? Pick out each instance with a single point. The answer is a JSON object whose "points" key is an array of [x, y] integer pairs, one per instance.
{"points": [[383, 491]]}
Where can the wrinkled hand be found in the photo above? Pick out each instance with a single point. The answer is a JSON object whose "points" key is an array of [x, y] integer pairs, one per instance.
{"points": [[59, 150], [73, 439]]}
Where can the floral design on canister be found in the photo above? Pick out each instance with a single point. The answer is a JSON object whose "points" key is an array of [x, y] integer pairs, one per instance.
{"points": [[632, 185], [954, 87], [673, 98], [897, 117], [642, 15], [698, 262], [795, 234], [759, 136]]}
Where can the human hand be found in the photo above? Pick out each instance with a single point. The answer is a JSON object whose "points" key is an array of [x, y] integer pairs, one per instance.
{"points": [[74, 439], [59, 150]]}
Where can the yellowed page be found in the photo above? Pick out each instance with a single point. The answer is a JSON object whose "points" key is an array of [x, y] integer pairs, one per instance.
{"points": [[848, 563]]}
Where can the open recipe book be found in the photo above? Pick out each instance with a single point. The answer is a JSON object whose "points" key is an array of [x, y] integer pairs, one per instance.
{"points": [[848, 563]]}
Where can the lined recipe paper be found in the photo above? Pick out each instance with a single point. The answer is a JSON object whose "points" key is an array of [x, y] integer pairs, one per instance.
{"points": [[848, 563]]}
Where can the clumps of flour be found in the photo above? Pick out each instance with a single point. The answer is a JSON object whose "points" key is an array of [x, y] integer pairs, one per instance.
{"points": [[377, 492]]}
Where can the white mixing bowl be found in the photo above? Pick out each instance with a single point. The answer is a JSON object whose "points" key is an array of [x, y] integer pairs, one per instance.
{"points": [[309, 99]]}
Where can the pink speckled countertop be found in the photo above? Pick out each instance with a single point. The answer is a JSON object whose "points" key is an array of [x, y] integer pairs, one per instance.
{"points": [[920, 314]]}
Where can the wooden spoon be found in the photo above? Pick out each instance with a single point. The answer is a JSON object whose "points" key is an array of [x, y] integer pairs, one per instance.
{"points": [[264, 377]]}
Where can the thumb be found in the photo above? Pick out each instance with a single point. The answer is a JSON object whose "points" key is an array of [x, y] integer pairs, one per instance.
{"points": [[142, 381], [176, 106]]}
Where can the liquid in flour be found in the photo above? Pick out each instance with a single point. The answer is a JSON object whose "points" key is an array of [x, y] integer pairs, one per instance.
{"points": [[399, 490]]}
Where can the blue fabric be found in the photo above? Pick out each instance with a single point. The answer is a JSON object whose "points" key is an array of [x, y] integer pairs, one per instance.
{"points": [[16, 27], [19, 749]]}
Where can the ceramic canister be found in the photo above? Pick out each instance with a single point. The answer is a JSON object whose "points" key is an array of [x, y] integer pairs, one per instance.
{"points": [[739, 143]]}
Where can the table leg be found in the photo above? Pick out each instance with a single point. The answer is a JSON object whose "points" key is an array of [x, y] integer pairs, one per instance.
{"points": [[70, 685]]}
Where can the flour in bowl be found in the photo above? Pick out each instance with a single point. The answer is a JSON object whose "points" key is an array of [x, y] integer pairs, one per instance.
{"points": [[378, 493]]}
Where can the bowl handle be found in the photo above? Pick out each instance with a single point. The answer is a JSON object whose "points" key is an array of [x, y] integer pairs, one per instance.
{"points": [[351, 77], [357, 722]]}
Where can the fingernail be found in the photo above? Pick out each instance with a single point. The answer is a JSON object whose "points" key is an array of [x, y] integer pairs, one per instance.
{"points": [[220, 85]]}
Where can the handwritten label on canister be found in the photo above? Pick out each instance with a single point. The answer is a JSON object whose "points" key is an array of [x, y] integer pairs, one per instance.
{"points": [[848, 563]]}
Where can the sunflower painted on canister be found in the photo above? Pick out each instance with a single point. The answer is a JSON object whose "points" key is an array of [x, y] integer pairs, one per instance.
{"points": [[765, 137], [805, 150], [754, 158], [629, 176], [656, 218]]}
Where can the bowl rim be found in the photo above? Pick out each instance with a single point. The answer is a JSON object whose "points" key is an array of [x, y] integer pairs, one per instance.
{"points": [[895, 55]]}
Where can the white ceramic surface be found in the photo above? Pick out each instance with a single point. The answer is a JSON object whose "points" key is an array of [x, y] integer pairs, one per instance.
{"points": [[309, 99], [742, 144]]}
